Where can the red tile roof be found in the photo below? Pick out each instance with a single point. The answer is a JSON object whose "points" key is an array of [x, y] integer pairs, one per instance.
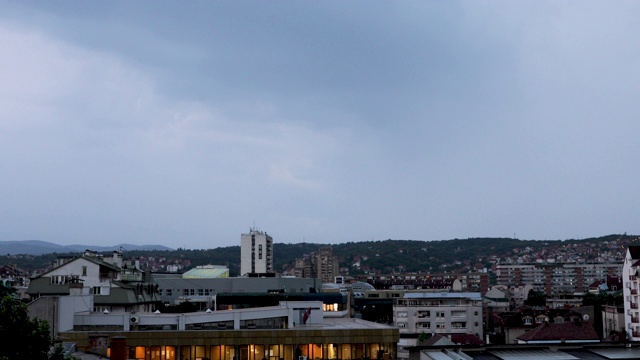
{"points": [[571, 330]]}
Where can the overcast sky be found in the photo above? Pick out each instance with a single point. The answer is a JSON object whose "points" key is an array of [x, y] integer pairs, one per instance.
{"points": [[185, 123]]}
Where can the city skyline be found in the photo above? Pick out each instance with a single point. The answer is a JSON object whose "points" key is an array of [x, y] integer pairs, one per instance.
{"points": [[186, 124]]}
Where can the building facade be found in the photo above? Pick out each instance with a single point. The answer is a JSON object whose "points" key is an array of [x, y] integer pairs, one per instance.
{"points": [[256, 253], [556, 278], [290, 331], [436, 313], [327, 265], [630, 276], [464, 282]]}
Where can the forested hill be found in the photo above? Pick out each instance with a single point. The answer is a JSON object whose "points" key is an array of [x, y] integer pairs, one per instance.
{"points": [[392, 255]]}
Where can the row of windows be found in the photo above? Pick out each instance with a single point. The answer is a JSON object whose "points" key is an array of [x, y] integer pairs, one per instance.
{"points": [[438, 314], [439, 325], [187, 292]]}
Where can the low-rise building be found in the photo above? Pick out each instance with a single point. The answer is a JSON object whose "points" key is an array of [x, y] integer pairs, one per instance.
{"points": [[436, 313], [290, 331]]}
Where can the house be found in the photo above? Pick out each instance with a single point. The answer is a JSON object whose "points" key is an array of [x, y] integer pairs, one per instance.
{"points": [[527, 318], [555, 333], [13, 276], [100, 284]]}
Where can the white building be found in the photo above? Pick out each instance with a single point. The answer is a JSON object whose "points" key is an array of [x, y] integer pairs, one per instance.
{"points": [[436, 313], [630, 272], [256, 253]]}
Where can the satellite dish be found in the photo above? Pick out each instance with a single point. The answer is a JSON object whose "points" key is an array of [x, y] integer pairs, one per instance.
{"points": [[585, 317]]}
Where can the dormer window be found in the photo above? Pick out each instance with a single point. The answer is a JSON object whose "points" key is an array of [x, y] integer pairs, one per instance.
{"points": [[540, 319], [527, 320]]}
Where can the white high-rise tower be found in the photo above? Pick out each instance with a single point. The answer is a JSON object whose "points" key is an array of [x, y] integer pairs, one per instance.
{"points": [[256, 253]]}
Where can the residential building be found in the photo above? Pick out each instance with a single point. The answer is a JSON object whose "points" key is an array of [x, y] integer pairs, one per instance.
{"points": [[100, 284], [13, 276], [631, 276], [436, 313], [323, 265], [327, 265], [515, 324], [557, 333], [464, 282], [612, 319], [256, 253], [556, 278], [557, 351]]}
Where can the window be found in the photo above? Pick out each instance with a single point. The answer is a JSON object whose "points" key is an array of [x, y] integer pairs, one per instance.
{"points": [[440, 314], [402, 325], [424, 325], [200, 292], [440, 326], [185, 292], [527, 320], [402, 314], [58, 280], [97, 290], [169, 292], [84, 271], [541, 319]]}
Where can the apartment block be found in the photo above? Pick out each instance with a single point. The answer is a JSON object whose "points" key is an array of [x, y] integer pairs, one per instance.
{"points": [[556, 278], [436, 313], [630, 275], [256, 253]]}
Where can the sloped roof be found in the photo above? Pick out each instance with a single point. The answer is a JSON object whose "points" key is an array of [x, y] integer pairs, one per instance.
{"points": [[87, 258], [457, 295], [125, 294], [437, 340], [466, 339], [571, 330]]}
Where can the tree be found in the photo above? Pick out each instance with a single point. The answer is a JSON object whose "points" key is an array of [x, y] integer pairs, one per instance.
{"points": [[535, 298], [423, 336], [24, 338]]}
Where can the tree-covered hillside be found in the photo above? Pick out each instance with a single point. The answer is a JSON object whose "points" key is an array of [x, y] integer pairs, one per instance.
{"points": [[382, 255]]}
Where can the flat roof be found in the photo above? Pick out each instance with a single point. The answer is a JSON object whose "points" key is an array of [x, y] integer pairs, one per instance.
{"points": [[443, 295]]}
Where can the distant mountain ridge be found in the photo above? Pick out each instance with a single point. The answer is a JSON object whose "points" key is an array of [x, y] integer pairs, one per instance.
{"points": [[39, 247]]}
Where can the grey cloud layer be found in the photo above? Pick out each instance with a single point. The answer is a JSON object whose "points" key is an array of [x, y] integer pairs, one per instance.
{"points": [[182, 125]]}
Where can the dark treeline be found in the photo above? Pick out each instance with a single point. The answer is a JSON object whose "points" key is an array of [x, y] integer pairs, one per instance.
{"points": [[385, 256]]}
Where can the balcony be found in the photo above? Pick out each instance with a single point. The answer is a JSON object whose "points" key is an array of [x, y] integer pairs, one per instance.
{"points": [[635, 320], [634, 291], [634, 305]]}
